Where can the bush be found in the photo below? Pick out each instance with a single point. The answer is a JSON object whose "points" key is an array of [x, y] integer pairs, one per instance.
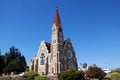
{"points": [[71, 74], [31, 74], [94, 73], [22, 78], [42, 78], [27, 69]]}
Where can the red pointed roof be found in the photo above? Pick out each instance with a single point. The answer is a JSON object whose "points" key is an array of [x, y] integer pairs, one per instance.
{"points": [[48, 46], [57, 21]]}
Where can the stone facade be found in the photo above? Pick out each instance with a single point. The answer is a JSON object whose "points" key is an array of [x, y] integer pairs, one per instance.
{"points": [[56, 56]]}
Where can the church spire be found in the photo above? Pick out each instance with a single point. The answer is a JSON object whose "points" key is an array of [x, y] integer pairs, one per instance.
{"points": [[57, 21]]}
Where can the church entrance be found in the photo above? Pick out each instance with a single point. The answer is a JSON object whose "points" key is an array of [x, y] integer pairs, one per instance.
{"points": [[52, 70]]}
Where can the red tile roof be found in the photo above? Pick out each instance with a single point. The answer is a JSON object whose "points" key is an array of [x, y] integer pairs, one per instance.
{"points": [[48, 46]]}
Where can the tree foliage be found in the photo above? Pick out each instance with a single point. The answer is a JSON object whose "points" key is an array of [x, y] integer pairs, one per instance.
{"points": [[71, 74], [31, 74], [1, 64], [84, 65], [42, 78], [94, 72], [13, 61]]}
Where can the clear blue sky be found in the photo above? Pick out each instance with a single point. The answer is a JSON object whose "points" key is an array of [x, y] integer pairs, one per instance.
{"points": [[92, 25]]}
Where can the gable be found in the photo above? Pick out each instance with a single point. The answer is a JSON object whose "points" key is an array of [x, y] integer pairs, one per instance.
{"points": [[44, 48]]}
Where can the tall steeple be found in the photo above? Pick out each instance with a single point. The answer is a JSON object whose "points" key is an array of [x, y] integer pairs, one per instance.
{"points": [[57, 20], [57, 33], [57, 42]]}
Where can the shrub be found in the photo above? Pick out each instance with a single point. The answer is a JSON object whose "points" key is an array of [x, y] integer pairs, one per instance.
{"points": [[31, 74], [27, 69], [22, 78], [71, 74], [79, 75], [42, 78], [94, 73], [63, 75]]}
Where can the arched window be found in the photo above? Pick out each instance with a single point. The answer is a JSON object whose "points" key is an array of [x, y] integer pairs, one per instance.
{"points": [[70, 63], [69, 53], [54, 32], [42, 59], [60, 33]]}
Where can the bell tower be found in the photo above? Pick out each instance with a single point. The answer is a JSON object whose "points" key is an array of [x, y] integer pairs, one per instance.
{"points": [[57, 42]]}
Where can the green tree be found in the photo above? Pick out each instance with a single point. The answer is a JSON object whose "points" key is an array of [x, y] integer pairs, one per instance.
{"points": [[26, 68], [84, 65], [12, 66], [15, 59], [94, 65], [1, 64]]}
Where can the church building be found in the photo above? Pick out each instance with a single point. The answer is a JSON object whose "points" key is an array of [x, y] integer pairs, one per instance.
{"points": [[54, 57]]}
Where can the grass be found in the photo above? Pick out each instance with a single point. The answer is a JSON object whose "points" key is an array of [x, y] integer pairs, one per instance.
{"points": [[114, 76]]}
